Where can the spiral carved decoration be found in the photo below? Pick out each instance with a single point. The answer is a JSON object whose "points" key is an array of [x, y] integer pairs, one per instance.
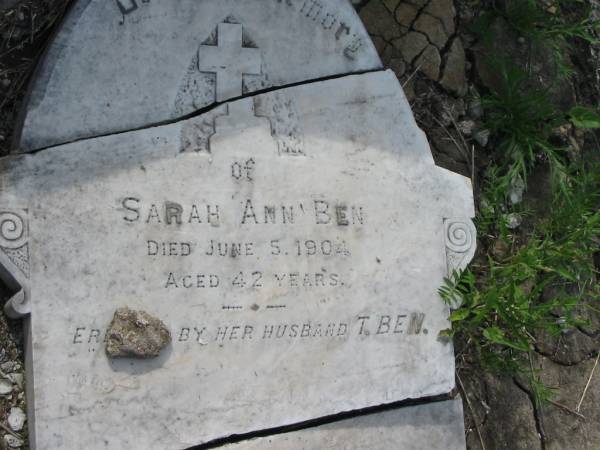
{"points": [[459, 236], [461, 239], [14, 260], [13, 230]]}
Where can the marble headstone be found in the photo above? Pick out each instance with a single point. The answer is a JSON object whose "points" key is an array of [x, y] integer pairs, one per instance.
{"points": [[424, 427], [293, 240], [296, 284], [117, 65]]}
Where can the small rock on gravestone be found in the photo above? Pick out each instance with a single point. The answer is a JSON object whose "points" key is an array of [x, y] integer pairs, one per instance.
{"points": [[136, 334], [293, 242]]}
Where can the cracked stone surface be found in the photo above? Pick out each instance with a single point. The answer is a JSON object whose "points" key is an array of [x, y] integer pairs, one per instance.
{"points": [[411, 45], [423, 32], [444, 11], [136, 334], [568, 421], [568, 348], [380, 22], [398, 429], [499, 405], [429, 62], [169, 68], [560, 427], [433, 29], [406, 14], [454, 78]]}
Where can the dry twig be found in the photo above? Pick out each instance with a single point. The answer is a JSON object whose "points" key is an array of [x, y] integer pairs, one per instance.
{"points": [[462, 388], [587, 384], [566, 408]]}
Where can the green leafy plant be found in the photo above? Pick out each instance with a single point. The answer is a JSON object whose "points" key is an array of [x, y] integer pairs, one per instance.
{"points": [[585, 118], [522, 118], [505, 300], [519, 110], [533, 280], [546, 24]]}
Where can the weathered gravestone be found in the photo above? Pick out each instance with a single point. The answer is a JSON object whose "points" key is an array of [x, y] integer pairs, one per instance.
{"points": [[424, 427], [121, 64], [292, 241]]}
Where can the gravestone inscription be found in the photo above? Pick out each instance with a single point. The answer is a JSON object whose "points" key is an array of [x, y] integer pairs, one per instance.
{"points": [[291, 241], [306, 282]]}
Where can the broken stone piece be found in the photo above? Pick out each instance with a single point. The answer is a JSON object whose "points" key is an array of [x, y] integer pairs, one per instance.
{"points": [[433, 29], [513, 221], [516, 190], [411, 45], [136, 334], [444, 11], [5, 387], [482, 137], [406, 14], [13, 441], [429, 63], [454, 78], [380, 22], [16, 419]]}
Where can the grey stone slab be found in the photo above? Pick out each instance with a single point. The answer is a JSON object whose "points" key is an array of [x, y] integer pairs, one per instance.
{"points": [[433, 426], [293, 243], [118, 65]]}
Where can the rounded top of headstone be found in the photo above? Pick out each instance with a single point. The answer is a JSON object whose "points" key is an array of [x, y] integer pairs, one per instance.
{"points": [[120, 65]]}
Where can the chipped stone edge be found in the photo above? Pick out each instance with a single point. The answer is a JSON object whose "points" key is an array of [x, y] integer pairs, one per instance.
{"points": [[14, 260]]}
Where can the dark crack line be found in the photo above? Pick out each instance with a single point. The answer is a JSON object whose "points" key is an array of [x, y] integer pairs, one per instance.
{"points": [[202, 111], [420, 12], [429, 41], [444, 51], [236, 438], [445, 54], [480, 393], [590, 356], [361, 5], [590, 334], [537, 413], [387, 41]]}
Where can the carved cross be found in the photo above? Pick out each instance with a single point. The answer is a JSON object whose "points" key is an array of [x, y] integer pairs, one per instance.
{"points": [[229, 61]]}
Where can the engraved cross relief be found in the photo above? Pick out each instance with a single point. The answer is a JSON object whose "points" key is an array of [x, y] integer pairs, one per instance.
{"points": [[229, 60]]}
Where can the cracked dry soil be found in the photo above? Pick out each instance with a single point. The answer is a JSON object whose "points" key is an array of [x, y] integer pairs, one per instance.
{"points": [[427, 43]]}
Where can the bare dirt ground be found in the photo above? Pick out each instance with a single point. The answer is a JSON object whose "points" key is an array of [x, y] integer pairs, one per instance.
{"points": [[429, 45]]}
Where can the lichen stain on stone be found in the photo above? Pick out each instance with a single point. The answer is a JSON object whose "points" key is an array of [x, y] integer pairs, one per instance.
{"points": [[136, 334]]}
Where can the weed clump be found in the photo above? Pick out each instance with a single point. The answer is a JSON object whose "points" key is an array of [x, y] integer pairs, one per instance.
{"points": [[531, 279]]}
